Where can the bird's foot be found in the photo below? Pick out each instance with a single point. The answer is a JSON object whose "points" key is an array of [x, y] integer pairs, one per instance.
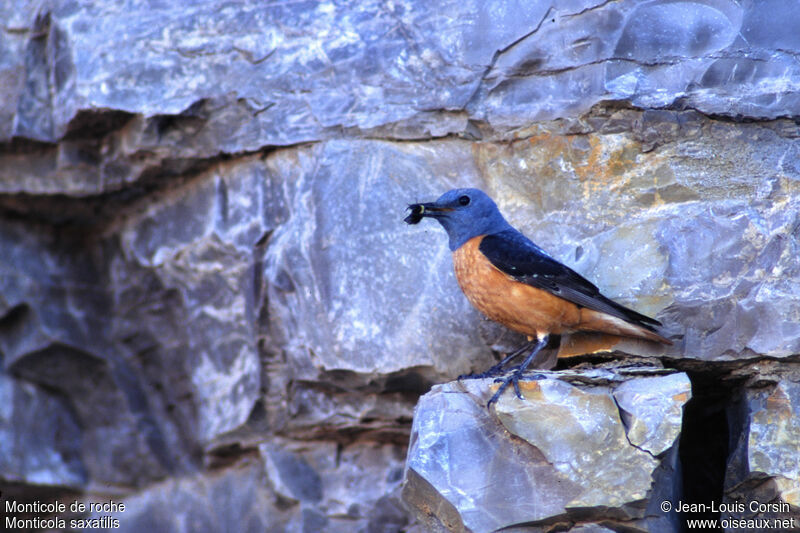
{"points": [[517, 374], [504, 382], [513, 379]]}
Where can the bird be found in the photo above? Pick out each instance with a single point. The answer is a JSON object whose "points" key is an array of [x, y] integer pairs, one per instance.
{"points": [[513, 281]]}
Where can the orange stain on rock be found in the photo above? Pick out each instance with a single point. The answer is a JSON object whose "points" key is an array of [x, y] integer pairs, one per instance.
{"points": [[683, 397]]}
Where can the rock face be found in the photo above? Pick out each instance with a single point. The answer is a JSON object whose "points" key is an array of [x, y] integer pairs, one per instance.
{"points": [[207, 292], [598, 448], [766, 440]]}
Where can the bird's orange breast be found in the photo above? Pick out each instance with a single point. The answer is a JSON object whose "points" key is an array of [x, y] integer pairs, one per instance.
{"points": [[517, 306]]}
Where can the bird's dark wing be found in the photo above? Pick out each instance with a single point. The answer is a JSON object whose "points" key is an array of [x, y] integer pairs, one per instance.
{"points": [[514, 254]]}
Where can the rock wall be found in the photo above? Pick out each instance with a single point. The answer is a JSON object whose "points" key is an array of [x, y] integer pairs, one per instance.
{"points": [[211, 311]]}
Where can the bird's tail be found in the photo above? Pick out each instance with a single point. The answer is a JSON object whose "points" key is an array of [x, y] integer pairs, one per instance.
{"points": [[604, 323]]}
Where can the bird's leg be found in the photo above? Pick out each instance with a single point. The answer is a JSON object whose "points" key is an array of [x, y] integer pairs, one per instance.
{"points": [[498, 368], [517, 374]]}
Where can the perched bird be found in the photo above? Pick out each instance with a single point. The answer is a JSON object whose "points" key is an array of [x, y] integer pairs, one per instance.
{"points": [[514, 282]]}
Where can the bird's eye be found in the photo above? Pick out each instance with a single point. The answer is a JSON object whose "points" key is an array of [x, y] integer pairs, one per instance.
{"points": [[464, 200]]}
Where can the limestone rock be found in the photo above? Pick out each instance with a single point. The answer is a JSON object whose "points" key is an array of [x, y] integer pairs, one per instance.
{"points": [[349, 488], [194, 252], [181, 86], [291, 73], [761, 468], [466, 470], [774, 431], [234, 499], [40, 438], [652, 410], [296, 487]]}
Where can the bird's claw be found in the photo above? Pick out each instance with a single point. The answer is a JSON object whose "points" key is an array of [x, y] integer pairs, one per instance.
{"points": [[504, 382], [497, 394], [513, 379], [517, 374]]}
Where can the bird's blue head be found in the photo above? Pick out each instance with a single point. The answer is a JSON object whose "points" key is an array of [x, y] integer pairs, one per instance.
{"points": [[464, 214]]}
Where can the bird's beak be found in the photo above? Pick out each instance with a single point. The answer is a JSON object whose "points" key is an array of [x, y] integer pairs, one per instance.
{"points": [[430, 209]]}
